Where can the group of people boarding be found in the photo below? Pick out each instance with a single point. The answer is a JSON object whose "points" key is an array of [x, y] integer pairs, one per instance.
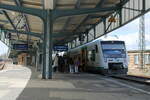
{"points": [[67, 64]]}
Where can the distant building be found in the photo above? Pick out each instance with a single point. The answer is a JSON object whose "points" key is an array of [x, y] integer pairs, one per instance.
{"points": [[133, 58], [22, 59]]}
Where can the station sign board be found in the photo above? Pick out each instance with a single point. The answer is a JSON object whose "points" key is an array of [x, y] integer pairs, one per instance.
{"points": [[22, 47], [60, 48]]}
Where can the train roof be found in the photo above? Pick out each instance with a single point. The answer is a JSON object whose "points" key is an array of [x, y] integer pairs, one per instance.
{"points": [[94, 42]]}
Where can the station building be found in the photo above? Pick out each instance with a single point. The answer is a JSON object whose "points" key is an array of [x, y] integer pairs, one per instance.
{"points": [[133, 57], [134, 63]]}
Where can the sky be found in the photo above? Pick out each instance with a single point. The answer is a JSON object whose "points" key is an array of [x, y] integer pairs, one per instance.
{"points": [[127, 33], [3, 48], [130, 33]]}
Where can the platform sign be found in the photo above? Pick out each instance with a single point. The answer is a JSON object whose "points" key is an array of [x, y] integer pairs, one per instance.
{"points": [[22, 47], [60, 48]]}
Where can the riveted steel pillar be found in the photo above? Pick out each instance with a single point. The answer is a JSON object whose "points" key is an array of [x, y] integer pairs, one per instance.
{"points": [[120, 17], [94, 32], [104, 23], [51, 46], [47, 48], [87, 34]]}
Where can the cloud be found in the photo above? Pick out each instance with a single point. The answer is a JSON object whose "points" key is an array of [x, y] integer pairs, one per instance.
{"points": [[131, 40], [130, 33]]}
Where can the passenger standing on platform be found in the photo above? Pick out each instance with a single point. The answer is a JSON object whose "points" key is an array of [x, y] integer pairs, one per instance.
{"points": [[59, 60], [77, 63], [56, 63], [60, 64], [83, 65], [65, 63], [68, 63], [71, 65]]}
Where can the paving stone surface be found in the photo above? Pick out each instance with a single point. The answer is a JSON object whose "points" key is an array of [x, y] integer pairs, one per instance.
{"points": [[24, 83]]}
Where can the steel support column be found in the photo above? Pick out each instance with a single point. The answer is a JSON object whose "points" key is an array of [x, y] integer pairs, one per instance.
{"points": [[94, 32], [87, 34], [47, 49], [50, 47], [104, 23], [144, 6], [142, 37], [120, 17]]}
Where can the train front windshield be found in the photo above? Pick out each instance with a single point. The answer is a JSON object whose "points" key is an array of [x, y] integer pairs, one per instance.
{"points": [[113, 49]]}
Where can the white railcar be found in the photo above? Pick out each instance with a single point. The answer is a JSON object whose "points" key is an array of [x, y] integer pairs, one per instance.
{"points": [[106, 57]]}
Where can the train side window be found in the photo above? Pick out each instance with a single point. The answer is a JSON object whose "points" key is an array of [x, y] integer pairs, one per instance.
{"points": [[96, 48], [93, 55], [89, 55]]}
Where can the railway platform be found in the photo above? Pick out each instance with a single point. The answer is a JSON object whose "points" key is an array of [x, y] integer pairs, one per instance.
{"points": [[24, 83]]}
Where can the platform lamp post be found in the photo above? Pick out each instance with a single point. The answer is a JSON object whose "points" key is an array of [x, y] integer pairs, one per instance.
{"points": [[47, 43]]}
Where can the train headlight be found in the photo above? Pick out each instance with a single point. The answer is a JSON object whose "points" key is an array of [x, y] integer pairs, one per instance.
{"points": [[125, 66]]}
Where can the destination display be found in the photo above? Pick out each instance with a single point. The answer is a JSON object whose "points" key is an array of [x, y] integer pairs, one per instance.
{"points": [[60, 48], [20, 46]]}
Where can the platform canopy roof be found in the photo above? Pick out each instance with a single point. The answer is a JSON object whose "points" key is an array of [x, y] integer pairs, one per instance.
{"points": [[64, 28]]}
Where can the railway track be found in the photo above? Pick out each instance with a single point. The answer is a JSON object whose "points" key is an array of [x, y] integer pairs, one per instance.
{"points": [[136, 79]]}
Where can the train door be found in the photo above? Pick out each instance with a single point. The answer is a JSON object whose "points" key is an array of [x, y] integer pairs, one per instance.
{"points": [[84, 58]]}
